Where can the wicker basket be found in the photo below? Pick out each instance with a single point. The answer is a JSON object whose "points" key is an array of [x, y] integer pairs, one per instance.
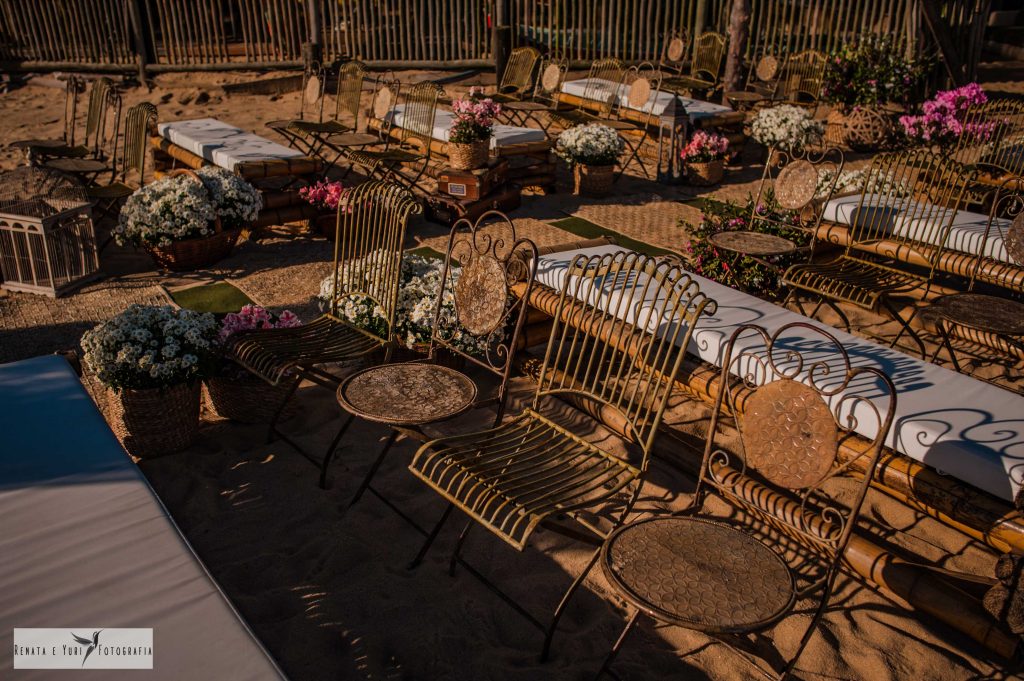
{"points": [[246, 398], [706, 174], [592, 180], [468, 156], [835, 127], [153, 422], [191, 254], [868, 128]]}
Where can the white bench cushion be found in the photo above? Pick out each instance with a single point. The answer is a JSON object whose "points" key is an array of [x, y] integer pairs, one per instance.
{"points": [[657, 103], [503, 135], [221, 143]]}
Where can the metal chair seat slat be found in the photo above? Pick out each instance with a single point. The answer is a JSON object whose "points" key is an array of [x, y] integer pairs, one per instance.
{"points": [[515, 488], [854, 280], [315, 127]]}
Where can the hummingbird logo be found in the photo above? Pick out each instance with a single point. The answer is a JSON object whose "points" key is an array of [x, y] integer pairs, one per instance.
{"points": [[86, 642]]}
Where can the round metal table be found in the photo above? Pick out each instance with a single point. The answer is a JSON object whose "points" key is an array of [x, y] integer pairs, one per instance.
{"points": [[744, 99], [978, 312], [408, 394], [754, 245]]}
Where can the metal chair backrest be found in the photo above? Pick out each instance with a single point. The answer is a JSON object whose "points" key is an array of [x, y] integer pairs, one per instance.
{"points": [[795, 385], [708, 53], [347, 101], [72, 89], [644, 84], [549, 80], [315, 75], [993, 137], [476, 315], [763, 75], [96, 118], [802, 76], [106, 137], [622, 323], [673, 52], [139, 125], [908, 205], [518, 76], [368, 243], [798, 182], [1005, 221], [418, 117], [603, 83]]}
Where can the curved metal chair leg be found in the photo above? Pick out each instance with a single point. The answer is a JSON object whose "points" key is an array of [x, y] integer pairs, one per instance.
{"points": [[905, 328], [550, 633], [458, 548], [430, 538], [272, 427], [618, 645], [329, 454], [365, 485]]}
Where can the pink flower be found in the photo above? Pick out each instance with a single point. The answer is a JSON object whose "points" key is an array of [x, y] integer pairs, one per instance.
{"points": [[324, 194], [255, 317]]}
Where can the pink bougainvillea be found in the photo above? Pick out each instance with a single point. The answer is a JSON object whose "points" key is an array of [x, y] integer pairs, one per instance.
{"points": [[942, 119], [255, 317], [474, 117], [704, 147], [324, 194]]}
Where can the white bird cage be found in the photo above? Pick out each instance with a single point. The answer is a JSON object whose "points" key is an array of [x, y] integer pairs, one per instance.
{"points": [[47, 238]]}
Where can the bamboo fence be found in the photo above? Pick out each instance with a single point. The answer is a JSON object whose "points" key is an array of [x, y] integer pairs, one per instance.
{"points": [[222, 34]]}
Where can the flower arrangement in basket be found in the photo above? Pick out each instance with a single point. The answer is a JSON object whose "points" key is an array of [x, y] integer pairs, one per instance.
{"points": [[592, 150], [151, 360], [786, 127], [942, 120], [859, 80], [414, 315], [469, 137], [743, 272], [189, 219], [326, 196], [236, 394], [704, 158]]}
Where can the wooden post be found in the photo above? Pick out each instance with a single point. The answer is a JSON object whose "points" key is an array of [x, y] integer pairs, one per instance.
{"points": [[699, 18], [142, 51], [313, 46], [739, 32], [501, 38]]}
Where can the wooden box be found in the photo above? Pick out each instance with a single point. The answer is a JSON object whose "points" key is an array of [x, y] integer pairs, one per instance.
{"points": [[447, 209], [470, 185]]}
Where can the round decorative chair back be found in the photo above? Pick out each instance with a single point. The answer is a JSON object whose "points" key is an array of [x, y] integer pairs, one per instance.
{"points": [[767, 68], [639, 93], [383, 102], [1015, 239], [314, 90], [796, 184], [676, 49], [551, 78]]}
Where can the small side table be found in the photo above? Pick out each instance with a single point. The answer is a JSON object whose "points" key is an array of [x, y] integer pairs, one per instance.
{"points": [[754, 245], [987, 314]]}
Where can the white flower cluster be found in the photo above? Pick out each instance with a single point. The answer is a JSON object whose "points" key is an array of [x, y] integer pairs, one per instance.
{"points": [[786, 127], [149, 346], [177, 208], [852, 181], [592, 144], [414, 314]]}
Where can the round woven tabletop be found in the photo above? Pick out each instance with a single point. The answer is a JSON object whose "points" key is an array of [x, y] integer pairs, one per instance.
{"points": [[752, 243], [77, 165], [353, 139], [525, 106], [982, 312], [744, 96], [41, 144], [698, 573], [407, 394]]}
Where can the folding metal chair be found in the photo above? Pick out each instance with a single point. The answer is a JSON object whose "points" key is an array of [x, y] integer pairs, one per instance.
{"points": [[706, 67], [545, 97], [36, 148], [801, 79], [315, 75], [517, 80], [140, 123], [600, 95]]}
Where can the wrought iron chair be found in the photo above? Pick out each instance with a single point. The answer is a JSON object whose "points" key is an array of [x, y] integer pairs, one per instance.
{"points": [[782, 521], [802, 76], [706, 67], [367, 264], [315, 75], [140, 123], [992, 141], [476, 319], [415, 134], [517, 80], [635, 118], [903, 218], [761, 84], [615, 347], [34, 148], [545, 97], [347, 103], [673, 53], [386, 91], [600, 95], [98, 154]]}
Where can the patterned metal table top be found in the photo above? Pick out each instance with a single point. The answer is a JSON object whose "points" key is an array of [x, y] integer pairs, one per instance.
{"points": [[407, 394], [982, 312], [698, 573], [752, 243]]}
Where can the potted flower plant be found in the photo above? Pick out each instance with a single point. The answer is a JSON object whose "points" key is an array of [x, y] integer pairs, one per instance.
{"points": [[414, 314], [151, 360], [704, 158], [190, 219], [942, 120], [786, 127], [865, 82], [325, 196], [592, 150], [469, 138], [234, 393]]}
